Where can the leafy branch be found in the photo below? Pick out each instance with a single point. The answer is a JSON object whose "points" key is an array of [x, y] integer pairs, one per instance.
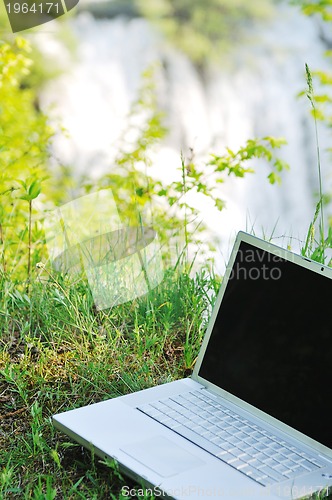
{"points": [[233, 161], [320, 251], [31, 190]]}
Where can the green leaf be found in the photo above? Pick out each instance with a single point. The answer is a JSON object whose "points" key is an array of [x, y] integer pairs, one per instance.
{"points": [[274, 178], [34, 189], [220, 204], [281, 165]]}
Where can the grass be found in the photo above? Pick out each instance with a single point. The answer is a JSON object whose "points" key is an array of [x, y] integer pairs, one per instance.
{"points": [[58, 352]]}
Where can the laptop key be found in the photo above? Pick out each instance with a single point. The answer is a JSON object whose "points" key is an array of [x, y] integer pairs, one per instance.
{"points": [[275, 446], [239, 434], [215, 428], [214, 419], [237, 463], [237, 424], [285, 451], [316, 462], [260, 447], [253, 462], [289, 463], [223, 434], [273, 474], [294, 456], [192, 436], [207, 435], [227, 446], [182, 419], [301, 469], [173, 425], [228, 420], [233, 440], [247, 429], [259, 455], [310, 458], [172, 414], [256, 435], [308, 465], [198, 429], [278, 457], [266, 481], [152, 412], [243, 467], [270, 462], [197, 420], [245, 457], [296, 472], [267, 441], [245, 447], [281, 468], [251, 441], [225, 456], [255, 474], [157, 405], [219, 442], [165, 420], [235, 451]]}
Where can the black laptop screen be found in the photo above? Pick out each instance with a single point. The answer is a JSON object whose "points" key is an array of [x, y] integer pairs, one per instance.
{"points": [[271, 344]]}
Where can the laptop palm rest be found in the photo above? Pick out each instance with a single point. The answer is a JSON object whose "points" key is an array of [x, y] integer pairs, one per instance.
{"points": [[162, 456]]}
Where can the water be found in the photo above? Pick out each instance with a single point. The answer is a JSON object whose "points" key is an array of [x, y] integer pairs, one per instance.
{"points": [[252, 94]]}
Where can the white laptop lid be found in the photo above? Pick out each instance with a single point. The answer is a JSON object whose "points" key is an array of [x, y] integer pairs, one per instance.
{"points": [[269, 341]]}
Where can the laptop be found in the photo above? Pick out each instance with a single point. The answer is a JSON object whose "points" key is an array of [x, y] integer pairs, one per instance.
{"points": [[254, 420]]}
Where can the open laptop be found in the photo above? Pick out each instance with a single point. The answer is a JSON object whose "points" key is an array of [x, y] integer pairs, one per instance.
{"points": [[255, 418]]}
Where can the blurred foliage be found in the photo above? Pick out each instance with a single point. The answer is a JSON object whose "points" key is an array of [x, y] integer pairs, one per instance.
{"points": [[322, 8], [170, 208], [319, 93], [24, 139], [43, 69], [28, 188], [204, 29], [232, 162], [323, 95], [322, 80], [141, 199], [321, 99]]}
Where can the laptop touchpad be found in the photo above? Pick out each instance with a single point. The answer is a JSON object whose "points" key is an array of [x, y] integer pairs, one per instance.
{"points": [[162, 456]]}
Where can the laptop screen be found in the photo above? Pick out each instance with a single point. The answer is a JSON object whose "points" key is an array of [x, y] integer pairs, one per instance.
{"points": [[271, 343]]}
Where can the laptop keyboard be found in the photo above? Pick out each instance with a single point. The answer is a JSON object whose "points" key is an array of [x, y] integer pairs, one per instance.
{"points": [[255, 452]]}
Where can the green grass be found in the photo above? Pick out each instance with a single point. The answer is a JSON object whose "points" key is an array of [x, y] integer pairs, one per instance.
{"points": [[58, 352]]}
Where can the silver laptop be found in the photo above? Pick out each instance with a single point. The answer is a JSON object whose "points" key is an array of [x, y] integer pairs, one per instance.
{"points": [[255, 418]]}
